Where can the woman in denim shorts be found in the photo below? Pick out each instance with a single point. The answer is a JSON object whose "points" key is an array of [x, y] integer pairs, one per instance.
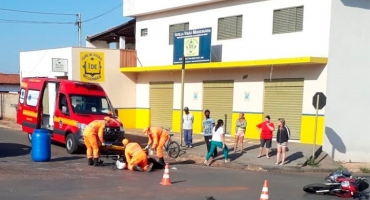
{"points": [[282, 138]]}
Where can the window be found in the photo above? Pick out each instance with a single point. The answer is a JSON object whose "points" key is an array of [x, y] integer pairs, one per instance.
{"points": [[32, 97], [63, 102], [144, 32], [21, 96], [175, 28], [230, 27], [288, 20], [84, 104]]}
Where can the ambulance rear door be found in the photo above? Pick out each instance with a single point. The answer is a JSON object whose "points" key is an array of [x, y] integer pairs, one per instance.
{"points": [[32, 113]]}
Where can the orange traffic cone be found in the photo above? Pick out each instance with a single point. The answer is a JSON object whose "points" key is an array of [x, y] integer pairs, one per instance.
{"points": [[166, 176], [265, 191]]}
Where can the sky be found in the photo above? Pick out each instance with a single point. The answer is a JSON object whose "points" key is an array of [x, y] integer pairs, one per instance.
{"points": [[20, 35]]}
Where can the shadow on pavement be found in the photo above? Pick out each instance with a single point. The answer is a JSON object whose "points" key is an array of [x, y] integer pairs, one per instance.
{"points": [[198, 143], [13, 150], [186, 162], [66, 158], [182, 152], [256, 146], [294, 156], [174, 182], [235, 156]]}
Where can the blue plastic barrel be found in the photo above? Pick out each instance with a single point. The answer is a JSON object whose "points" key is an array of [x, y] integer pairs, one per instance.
{"points": [[41, 145]]}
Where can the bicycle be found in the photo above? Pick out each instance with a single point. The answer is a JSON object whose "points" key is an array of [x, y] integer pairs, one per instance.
{"points": [[171, 147]]}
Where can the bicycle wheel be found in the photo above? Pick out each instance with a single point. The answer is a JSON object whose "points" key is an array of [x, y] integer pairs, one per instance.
{"points": [[313, 188], [173, 149]]}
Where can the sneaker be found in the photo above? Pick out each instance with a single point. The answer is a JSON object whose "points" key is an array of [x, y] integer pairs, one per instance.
{"points": [[227, 161], [206, 162], [150, 167], [187, 146], [191, 146]]}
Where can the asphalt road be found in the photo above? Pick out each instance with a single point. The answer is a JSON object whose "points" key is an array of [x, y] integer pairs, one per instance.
{"points": [[68, 177]]}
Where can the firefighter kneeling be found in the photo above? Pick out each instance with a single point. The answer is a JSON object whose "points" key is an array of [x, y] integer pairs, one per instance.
{"points": [[136, 158]]}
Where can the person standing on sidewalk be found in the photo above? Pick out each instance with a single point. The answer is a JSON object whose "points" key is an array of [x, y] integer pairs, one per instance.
{"points": [[208, 124], [218, 140], [287, 148], [266, 128], [282, 137], [187, 126], [241, 126]]}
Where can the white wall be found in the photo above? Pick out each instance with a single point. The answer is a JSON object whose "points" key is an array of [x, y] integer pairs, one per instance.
{"points": [[347, 112], [97, 44], [10, 88], [315, 79], [39, 63], [257, 42], [140, 7]]}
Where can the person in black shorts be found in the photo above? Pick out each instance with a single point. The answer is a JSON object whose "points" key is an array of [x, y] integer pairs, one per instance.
{"points": [[266, 128]]}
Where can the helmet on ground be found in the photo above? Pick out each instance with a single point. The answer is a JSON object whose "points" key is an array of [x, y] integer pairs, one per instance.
{"points": [[107, 118], [125, 142], [120, 165], [146, 130]]}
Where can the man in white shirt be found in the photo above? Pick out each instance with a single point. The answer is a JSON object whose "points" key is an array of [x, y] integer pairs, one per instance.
{"points": [[187, 126]]}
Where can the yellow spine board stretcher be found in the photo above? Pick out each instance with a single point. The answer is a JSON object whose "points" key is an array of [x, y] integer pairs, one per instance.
{"points": [[118, 148], [114, 148]]}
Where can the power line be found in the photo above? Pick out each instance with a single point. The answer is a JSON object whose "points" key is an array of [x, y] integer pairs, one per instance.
{"points": [[32, 22], [107, 12], [36, 12]]}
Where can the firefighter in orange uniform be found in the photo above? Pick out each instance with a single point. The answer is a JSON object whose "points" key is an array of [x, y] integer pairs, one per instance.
{"points": [[158, 137], [136, 158], [93, 137]]}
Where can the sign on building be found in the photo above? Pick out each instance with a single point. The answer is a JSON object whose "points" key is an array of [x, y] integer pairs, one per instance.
{"points": [[195, 45], [59, 65], [92, 66]]}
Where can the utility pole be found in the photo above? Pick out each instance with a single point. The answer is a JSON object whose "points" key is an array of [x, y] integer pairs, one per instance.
{"points": [[78, 24], [182, 97]]}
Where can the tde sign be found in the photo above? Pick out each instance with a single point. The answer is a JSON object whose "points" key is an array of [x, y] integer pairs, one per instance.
{"points": [[321, 100], [194, 45]]}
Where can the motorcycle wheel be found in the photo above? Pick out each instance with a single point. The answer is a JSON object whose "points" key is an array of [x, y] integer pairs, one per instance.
{"points": [[313, 188]]}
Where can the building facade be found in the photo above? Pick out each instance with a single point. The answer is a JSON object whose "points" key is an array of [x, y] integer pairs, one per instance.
{"points": [[267, 58], [83, 64], [9, 83], [348, 82]]}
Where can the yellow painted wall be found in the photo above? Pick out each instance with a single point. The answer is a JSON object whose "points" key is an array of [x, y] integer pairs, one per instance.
{"points": [[142, 118], [307, 129], [252, 120], [127, 117], [139, 118], [197, 126]]}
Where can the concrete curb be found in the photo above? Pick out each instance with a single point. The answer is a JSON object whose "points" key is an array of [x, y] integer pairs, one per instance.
{"points": [[199, 159]]}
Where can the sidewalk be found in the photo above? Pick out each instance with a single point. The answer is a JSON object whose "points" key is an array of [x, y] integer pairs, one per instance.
{"points": [[296, 156]]}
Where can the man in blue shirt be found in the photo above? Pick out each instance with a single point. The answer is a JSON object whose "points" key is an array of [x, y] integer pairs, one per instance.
{"points": [[208, 124]]}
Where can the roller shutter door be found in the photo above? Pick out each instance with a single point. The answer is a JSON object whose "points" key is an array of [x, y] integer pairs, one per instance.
{"points": [[283, 99], [218, 98], [161, 104]]}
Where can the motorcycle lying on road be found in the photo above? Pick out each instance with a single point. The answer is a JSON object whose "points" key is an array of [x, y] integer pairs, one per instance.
{"points": [[341, 184]]}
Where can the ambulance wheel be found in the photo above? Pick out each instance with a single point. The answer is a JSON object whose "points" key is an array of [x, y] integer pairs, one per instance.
{"points": [[71, 144], [29, 136]]}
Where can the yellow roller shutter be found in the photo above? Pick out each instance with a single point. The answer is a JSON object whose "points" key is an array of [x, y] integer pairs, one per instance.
{"points": [[283, 99], [218, 98], [161, 104]]}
